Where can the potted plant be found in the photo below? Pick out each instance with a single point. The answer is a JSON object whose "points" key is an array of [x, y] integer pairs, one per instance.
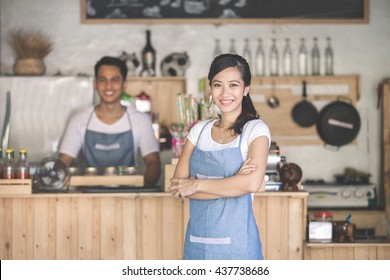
{"points": [[30, 49]]}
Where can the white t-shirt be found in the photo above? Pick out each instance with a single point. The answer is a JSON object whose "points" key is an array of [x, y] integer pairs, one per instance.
{"points": [[252, 129], [141, 126]]}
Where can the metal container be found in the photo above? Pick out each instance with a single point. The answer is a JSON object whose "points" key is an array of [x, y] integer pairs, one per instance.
{"points": [[91, 171], [127, 170], [273, 158], [75, 171], [110, 171]]}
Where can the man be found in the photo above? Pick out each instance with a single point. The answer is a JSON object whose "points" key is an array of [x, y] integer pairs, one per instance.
{"points": [[110, 134]]}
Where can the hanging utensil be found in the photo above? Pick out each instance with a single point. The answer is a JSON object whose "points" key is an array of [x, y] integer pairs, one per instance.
{"points": [[273, 101], [338, 123], [304, 113]]}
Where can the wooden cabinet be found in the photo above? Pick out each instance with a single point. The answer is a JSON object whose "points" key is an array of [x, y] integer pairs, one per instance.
{"points": [[347, 251], [66, 226], [163, 91], [148, 226], [281, 218]]}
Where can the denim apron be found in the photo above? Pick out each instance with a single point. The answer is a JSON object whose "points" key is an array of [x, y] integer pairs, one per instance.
{"points": [[223, 228], [103, 149]]}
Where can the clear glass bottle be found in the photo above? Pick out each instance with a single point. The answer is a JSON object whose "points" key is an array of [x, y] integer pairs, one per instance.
{"points": [[9, 164], [302, 59], [287, 59], [260, 59], [247, 52], [217, 48], [232, 48], [315, 58], [274, 59], [1, 163], [328, 57], [22, 166], [148, 58]]}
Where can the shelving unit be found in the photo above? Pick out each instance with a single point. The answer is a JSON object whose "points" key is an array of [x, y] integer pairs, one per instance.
{"points": [[321, 90], [163, 92]]}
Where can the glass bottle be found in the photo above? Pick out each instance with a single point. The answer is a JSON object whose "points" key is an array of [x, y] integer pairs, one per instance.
{"points": [[247, 52], [274, 59], [1, 163], [328, 57], [260, 59], [148, 58], [22, 166], [287, 59], [232, 48], [9, 164], [217, 48], [302, 59], [315, 58]]}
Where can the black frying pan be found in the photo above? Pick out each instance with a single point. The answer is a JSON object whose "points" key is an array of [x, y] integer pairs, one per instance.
{"points": [[338, 123], [304, 113]]}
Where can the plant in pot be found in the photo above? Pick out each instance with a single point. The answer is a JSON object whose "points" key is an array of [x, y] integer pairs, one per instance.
{"points": [[30, 48]]}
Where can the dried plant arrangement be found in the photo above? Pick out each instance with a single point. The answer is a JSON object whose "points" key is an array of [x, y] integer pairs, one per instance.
{"points": [[31, 44]]}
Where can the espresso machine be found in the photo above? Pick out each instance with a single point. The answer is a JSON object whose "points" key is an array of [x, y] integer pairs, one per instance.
{"points": [[274, 162]]}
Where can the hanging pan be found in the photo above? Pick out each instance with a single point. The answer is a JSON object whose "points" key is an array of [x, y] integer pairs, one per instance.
{"points": [[304, 113], [338, 123]]}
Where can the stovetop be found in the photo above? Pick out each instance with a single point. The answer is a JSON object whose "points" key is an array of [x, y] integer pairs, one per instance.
{"points": [[339, 196]]}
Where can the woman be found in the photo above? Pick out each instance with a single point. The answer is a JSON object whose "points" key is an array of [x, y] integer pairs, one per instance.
{"points": [[221, 165]]}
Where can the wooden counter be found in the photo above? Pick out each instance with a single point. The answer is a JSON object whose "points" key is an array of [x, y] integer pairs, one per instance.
{"points": [[131, 225], [348, 251]]}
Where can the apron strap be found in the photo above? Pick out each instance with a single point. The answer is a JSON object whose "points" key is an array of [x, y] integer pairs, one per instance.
{"points": [[202, 131]]}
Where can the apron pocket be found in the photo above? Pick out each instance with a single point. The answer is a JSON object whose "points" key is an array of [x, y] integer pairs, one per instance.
{"points": [[210, 248], [207, 240], [201, 176]]}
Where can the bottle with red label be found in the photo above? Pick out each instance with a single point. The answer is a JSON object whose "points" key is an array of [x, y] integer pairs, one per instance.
{"points": [[22, 166], [9, 164]]}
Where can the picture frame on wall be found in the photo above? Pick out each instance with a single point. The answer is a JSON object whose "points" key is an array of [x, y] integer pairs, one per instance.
{"points": [[225, 11]]}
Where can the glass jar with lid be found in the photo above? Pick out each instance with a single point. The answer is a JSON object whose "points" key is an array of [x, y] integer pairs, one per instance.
{"points": [[323, 216]]}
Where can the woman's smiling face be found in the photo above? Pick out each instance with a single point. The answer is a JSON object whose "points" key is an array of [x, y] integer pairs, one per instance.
{"points": [[228, 90]]}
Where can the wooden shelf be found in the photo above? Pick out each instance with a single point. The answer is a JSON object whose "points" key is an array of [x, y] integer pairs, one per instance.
{"points": [[136, 180], [321, 90], [163, 91], [15, 186]]}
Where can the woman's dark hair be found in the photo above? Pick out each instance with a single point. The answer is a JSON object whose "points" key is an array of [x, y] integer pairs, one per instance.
{"points": [[113, 61], [224, 61]]}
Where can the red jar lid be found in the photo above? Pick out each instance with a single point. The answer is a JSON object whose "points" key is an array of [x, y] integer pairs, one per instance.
{"points": [[323, 214]]}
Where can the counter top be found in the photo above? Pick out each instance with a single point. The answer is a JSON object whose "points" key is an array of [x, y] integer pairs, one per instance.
{"points": [[377, 242], [299, 194]]}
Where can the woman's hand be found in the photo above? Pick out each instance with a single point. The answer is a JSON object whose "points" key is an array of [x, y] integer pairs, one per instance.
{"points": [[246, 168], [182, 188]]}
